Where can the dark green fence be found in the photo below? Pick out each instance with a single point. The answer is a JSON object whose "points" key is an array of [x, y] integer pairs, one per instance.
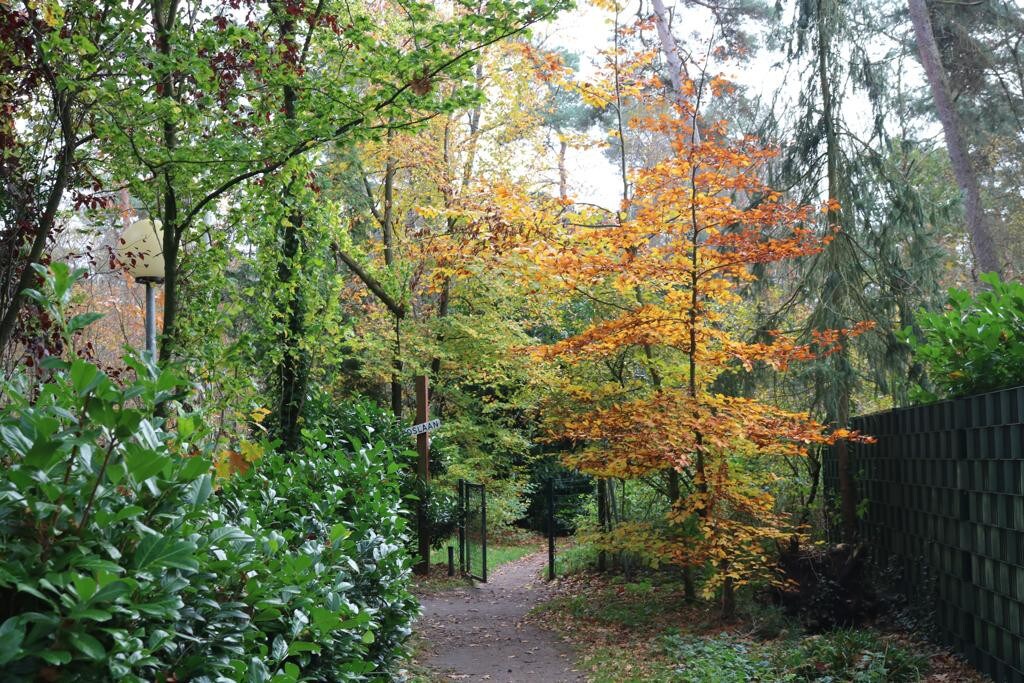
{"points": [[943, 497]]}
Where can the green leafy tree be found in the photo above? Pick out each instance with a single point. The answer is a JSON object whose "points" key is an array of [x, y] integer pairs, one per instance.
{"points": [[48, 74], [205, 108]]}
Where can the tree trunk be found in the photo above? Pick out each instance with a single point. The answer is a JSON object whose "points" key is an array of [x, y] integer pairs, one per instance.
{"points": [[442, 311], [728, 594], [387, 224], [396, 372], [293, 369], [841, 418], [164, 15], [44, 225], [985, 256], [676, 72], [602, 519], [674, 494], [563, 173], [847, 489]]}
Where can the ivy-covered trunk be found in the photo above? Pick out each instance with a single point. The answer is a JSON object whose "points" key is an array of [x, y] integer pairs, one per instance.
{"points": [[293, 369], [165, 14]]}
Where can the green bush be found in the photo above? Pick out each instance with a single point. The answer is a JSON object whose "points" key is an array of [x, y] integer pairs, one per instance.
{"points": [[851, 655], [442, 513], [380, 426], [855, 656], [330, 594], [98, 518], [976, 344], [119, 559]]}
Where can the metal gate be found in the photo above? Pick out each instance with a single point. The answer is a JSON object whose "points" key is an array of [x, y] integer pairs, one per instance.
{"points": [[473, 530], [555, 491]]}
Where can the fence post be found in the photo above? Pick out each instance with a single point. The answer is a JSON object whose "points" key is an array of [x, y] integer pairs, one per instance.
{"points": [[602, 520], [483, 528], [551, 529], [962, 421], [462, 526]]}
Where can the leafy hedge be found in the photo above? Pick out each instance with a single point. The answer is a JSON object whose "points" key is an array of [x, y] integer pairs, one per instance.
{"points": [[976, 344], [121, 559], [442, 503]]}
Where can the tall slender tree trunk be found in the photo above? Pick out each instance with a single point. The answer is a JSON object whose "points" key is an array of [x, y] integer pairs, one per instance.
{"points": [[602, 519], [563, 173], [676, 75], [45, 222], [165, 13], [396, 371], [387, 224], [985, 256], [674, 496], [293, 368], [292, 371], [847, 489], [676, 71], [841, 414], [443, 302]]}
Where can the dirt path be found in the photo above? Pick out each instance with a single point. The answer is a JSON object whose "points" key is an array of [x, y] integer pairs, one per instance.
{"points": [[478, 633]]}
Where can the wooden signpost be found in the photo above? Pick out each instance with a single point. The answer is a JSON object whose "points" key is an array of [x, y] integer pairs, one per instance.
{"points": [[421, 429]]}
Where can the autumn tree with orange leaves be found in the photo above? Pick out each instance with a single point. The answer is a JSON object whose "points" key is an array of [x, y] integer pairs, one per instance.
{"points": [[662, 275]]}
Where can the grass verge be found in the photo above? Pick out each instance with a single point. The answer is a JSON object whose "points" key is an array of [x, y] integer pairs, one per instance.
{"points": [[502, 549]]}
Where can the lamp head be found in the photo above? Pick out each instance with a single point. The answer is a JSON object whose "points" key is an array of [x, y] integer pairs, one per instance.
{"points": [[142, 250]]}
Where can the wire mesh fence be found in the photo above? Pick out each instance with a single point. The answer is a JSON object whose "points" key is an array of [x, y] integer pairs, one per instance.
{"points": [[474, 506]]}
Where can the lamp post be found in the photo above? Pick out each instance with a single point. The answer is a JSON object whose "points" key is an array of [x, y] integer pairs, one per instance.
{"points": [[142, 253]]}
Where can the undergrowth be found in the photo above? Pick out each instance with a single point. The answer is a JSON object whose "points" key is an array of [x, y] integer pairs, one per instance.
{"points": [[645, 631]]}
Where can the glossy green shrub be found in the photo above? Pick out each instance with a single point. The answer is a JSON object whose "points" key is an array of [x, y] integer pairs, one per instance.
{"points": [[976, 344], [442, 512], [332, 594], [122, 559], [99, 519]]}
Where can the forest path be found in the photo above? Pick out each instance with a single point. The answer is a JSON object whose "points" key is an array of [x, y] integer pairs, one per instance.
{"points": [[479, 633]]}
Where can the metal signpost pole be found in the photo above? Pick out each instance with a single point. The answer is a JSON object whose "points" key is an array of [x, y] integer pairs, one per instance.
{"points": [[151, 320]]}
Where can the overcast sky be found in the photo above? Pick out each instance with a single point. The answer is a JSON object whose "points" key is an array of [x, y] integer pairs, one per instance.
{"points": [[587, 30]]}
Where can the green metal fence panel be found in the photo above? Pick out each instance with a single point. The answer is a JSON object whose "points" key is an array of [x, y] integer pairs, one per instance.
{"points": [[475, 530], [943, 495]]}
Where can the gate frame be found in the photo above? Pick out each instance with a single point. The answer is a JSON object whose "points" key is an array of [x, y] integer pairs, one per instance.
{"points": [[465, 565], [551, 493]]}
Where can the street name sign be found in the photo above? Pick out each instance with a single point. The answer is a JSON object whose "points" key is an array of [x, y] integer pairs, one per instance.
{"points": [[422, 428]]}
